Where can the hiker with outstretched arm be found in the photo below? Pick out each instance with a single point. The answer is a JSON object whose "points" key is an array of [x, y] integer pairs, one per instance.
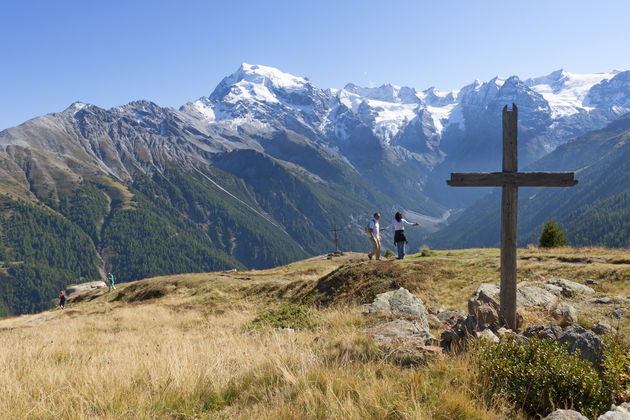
{"points": [[399, 233]]}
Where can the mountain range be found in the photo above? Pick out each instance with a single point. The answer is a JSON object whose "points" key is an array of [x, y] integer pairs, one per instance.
{"points": [[256, 174]]}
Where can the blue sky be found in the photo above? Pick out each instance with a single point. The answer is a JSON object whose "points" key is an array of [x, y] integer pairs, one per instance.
{"points": [[108, 53]]}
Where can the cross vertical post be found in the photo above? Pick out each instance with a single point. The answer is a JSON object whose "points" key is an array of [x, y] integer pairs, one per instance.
{"points": [[509, 206]]}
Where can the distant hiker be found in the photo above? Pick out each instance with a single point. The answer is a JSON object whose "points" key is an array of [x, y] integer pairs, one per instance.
{"points": [[62, 300], [399, 233], [375, 237], [111, 281]]}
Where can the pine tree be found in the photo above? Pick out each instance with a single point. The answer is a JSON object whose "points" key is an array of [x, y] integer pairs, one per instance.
{"points": [[551, 235]]}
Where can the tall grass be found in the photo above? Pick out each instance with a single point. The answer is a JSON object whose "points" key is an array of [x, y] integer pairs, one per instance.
{"points": [[147, 361]]}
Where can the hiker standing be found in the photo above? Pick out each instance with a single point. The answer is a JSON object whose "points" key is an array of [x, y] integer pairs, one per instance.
{"points": [[62, 300], [399, 233], [375, 237], [111, 279]]}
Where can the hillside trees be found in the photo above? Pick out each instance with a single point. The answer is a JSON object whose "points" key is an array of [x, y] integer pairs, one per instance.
{"points": [[43, 252]]}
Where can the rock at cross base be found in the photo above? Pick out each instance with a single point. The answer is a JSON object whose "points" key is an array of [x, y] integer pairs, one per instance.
{"points": [[485, 312], [586, 341], [565, 415], [401, 303]]}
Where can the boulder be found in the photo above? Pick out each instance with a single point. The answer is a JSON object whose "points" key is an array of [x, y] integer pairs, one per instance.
{"points": [[565, 314], [527, 296], [483, 311], [570, 285], [620, 412], [601, 328], [591, 282], [586, 341], [401, 331], [84, 287], [530, 296], [565, 415], [401, 303]]}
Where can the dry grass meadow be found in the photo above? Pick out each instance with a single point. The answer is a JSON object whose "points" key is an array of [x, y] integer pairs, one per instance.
{"points": [[183, 346]]}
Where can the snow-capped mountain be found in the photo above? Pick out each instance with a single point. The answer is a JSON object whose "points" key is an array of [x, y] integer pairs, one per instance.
{"points": [[436, 132], [414, 137]]}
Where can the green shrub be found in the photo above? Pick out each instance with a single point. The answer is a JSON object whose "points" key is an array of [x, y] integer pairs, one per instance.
{"points": [[616, 367], [388, 254], [551, 235], [287, 316], [540, 377]]}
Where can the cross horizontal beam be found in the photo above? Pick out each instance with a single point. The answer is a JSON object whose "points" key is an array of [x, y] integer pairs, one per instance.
{"points": [[520, 179]]}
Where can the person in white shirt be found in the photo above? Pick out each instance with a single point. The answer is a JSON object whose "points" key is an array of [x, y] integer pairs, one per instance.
{"points": [[375, 237], [399, 233]]}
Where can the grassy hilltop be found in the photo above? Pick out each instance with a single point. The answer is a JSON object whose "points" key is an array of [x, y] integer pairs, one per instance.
{"points": [[206, 346]]}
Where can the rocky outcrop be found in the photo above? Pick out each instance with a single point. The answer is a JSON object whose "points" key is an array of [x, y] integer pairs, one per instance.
{"points": [[411, 329], [586, 341]]}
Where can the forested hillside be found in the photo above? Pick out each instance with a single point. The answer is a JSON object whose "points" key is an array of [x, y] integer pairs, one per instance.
{"points": [[177, 221]]}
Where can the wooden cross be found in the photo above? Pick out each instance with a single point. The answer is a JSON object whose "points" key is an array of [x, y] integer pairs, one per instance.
{"points": [[510, 179], [336, 239]]}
